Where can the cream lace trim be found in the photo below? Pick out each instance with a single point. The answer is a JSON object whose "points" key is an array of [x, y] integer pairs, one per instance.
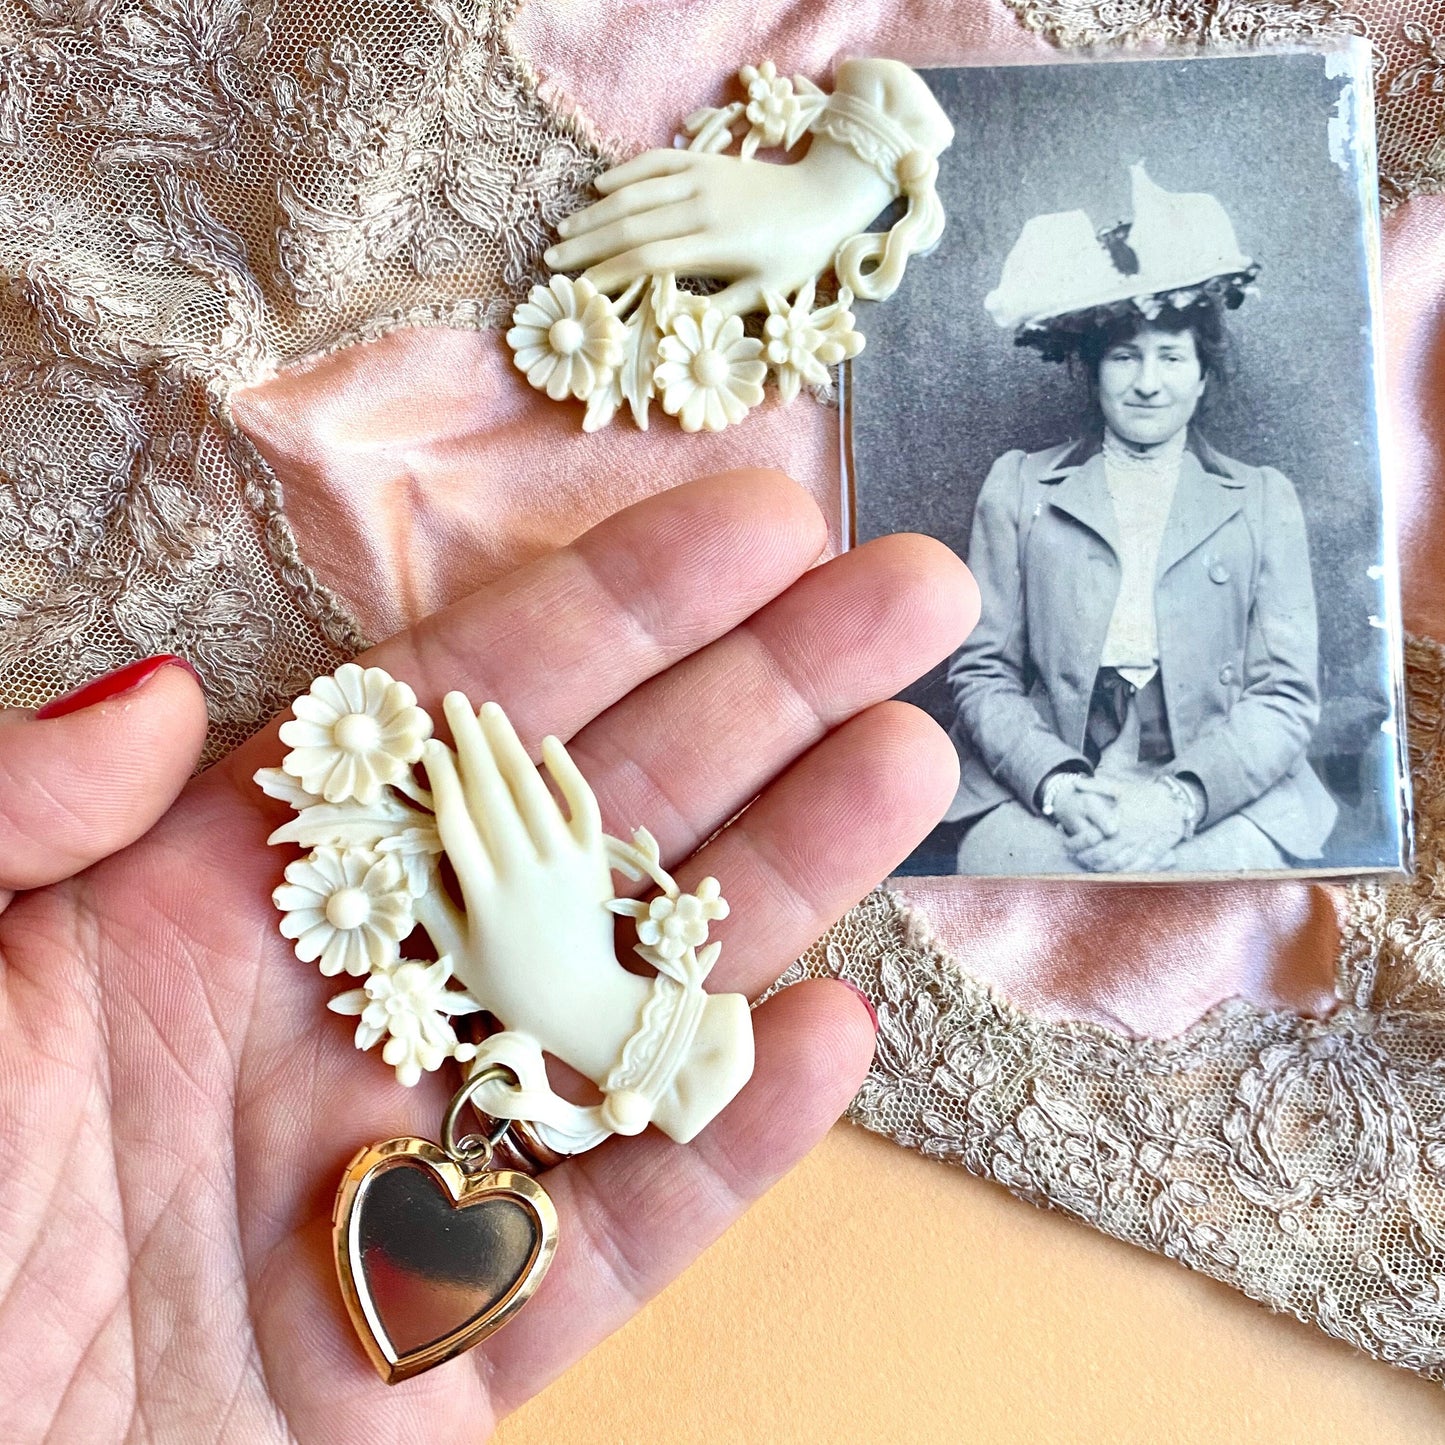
{"points": [[1301, 1161], [192, 194], [1408, 37]]}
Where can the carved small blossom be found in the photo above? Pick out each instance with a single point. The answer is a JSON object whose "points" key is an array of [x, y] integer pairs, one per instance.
{"points": [[673, 925], [567, 338], [800, 344], [349, 908], [771, 106], [354, 732], [842, 340], [710, 374], [407, 1005]]}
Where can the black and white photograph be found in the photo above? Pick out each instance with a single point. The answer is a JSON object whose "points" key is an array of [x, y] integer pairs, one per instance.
{"points": [[1135, 388]]}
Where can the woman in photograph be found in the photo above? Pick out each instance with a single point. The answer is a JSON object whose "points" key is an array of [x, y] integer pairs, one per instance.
{"points": [[1142, 686]]}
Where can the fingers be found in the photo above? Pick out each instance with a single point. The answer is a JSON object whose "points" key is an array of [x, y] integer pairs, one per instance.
{"points": [[687, 751], [537, 807], [1101, 787], [454, 822], [1101, 812], [95, 773], [688, 253], [635, 594], [585, 817], [646, 167], [824, 833], [635, 200], [667, 223], [489, 800], [638, 592], [636, 1212], [737, 299]]}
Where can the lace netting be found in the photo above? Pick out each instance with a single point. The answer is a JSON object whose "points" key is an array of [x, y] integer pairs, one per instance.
{"points": [[193, 193], [1300, 1160]]}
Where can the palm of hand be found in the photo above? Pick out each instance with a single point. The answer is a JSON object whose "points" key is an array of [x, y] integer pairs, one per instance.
{"points": [[176, 1107]]}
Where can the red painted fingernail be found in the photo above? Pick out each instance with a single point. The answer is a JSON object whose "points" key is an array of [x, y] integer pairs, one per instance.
{"points": [[112, 684], [867, 1002]]}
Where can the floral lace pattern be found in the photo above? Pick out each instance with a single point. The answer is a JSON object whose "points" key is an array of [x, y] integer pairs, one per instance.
{"points": [[192, 194], [1300, 1160], [1408, 37]]}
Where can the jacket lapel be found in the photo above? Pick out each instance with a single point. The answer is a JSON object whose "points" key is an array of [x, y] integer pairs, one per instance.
{"points": [[1083, 492], [1203, 502]]}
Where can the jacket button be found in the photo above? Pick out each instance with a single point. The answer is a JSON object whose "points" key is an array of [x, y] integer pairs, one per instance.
{"points": [[1218, 572], [1226, 675]]}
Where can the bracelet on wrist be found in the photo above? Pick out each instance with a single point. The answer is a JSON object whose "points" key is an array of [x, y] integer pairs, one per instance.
{"points": [[1181, 795], [1052, 788]]}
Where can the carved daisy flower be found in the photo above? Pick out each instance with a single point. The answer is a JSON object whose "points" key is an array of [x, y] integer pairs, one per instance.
{"points": [[347, 907], [567, 338], [673, 925], [771, 106], [354, 732], [710, 373], [407, 1005]]}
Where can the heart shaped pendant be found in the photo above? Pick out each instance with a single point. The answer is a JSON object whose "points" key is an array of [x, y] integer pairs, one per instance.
{"points": [[433, 1257]]}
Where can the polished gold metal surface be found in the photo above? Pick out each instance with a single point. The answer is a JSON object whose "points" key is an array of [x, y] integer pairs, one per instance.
{"points": [[434, 1256]]}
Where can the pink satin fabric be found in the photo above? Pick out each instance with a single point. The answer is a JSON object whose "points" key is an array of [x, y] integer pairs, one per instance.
{"points": [[418, 467], [1414, 266], [633, 71]]}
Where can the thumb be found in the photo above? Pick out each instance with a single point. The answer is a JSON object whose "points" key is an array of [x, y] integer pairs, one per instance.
{"points": [[91, 771]]}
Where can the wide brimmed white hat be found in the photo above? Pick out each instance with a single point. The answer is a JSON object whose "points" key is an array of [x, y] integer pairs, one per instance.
{"points": [[1177, 247]]}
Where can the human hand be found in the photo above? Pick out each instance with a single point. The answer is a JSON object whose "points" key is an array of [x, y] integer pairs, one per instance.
{"points": [[1149, 823], [1084, 809], [176, 1105]]}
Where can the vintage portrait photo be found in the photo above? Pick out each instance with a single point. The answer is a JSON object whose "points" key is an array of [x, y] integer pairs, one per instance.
{"points": [[1135, 388]]}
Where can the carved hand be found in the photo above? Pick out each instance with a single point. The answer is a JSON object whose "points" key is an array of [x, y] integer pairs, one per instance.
{"points": [[761, 227], [540, 952]]}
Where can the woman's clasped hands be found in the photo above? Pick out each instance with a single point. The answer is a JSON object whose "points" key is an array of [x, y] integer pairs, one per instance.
{"points": [[1119, 825]]}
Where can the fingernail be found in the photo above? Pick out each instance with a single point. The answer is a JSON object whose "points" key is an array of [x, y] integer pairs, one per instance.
{"points": [[550, 257], [564, 227], [112, 684], [867, 1002]]}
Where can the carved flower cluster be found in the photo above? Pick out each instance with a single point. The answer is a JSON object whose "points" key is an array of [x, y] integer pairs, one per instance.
{"points": [[656, 341], [371, 876], [407, 1006], [653, 341], [672, 928], [777, 112]]}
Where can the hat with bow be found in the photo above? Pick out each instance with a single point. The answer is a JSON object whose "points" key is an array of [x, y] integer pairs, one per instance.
{"points": [[1063, 277]]}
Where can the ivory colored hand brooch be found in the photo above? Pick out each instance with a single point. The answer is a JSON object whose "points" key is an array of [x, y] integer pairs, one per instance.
{"points": [[624, 331], [435, 1248]]}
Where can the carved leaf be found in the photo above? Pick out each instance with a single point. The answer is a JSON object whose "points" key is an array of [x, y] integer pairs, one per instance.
{"points": [[279, 784], [639, 358], [350, 825], [711, 128]]}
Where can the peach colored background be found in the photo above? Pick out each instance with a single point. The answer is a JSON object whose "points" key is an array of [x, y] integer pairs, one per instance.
{"points": [[878, 1296]]}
